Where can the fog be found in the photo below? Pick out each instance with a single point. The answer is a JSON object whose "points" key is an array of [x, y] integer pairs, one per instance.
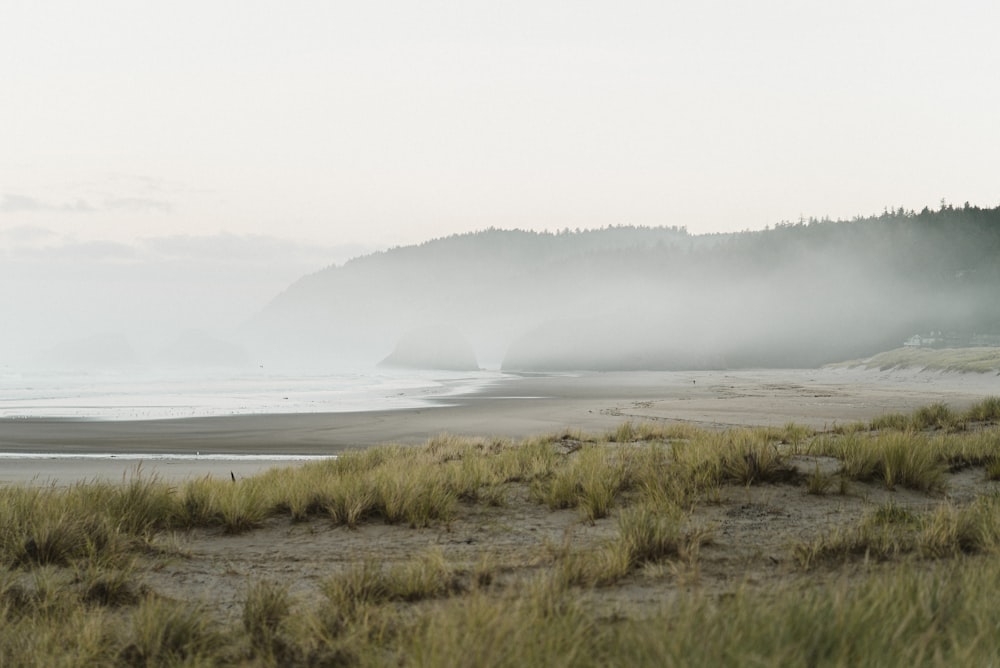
{"points": [[625, 299], [618, 298], [163, 303]]}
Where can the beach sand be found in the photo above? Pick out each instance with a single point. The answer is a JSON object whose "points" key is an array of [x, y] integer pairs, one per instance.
{"points": [[753, 529], [515, 407]]}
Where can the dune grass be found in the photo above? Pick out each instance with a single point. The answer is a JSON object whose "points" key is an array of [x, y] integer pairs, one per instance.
{"points": [[956, 360], [72, 590], [889, 531]]}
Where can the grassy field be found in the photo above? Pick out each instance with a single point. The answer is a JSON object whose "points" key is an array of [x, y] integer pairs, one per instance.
{"points": [[868, 544]]}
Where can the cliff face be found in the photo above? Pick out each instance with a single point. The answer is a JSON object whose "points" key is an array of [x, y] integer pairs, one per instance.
{"points": [[433, 348]]}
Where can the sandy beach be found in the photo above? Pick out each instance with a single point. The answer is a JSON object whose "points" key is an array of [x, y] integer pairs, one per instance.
{"points": [[515, 407], [771, 522]]}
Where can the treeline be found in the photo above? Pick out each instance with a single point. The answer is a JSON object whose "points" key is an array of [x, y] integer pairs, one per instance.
{"points": [[950, 244]]}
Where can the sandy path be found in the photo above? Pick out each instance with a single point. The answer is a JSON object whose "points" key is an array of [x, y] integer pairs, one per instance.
{"points": [[514, 408]]}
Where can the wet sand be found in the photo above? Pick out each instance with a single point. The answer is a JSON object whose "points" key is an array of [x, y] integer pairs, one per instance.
{"points": [[516, 407]]}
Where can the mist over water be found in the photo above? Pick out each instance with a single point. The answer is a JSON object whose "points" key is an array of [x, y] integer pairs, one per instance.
{"points": [[622, 298], [159, 303], [157, 396]]}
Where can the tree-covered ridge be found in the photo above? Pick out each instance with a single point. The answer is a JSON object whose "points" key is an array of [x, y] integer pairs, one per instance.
{"points": [[800, 293], [959, 244], [947, 244]]}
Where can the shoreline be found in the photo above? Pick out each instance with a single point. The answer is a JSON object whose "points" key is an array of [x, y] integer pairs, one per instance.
{"points": [[518, 407]]}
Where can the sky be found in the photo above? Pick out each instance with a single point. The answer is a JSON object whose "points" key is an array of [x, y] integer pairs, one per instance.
{"points": [[245, 143]]}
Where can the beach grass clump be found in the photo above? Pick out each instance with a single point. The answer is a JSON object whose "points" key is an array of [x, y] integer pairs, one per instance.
{"points": [[884, 533], [164, 632], [244, 505], [934, 416], [301, 492], [818, 483], [591, 479], [413, 485], [693, 470], [650, 471], [593, 568], [647, 430], [476, 475], [986, 410], [855, 427], [143, 506], [351, 501], [236, 506], [751, 456], [625, 433], [856, 459], [950, 530], [533, 459], [796, 435], [890, 421], [44, 623], [370, 583], [967, 449], [86, 521], [198, 505], [111, 586], [661, 431], [356, 618], [417, 486], [890, 530], [647, 534], [365, 460], [906, 459], [266, 608], [98, 619], [702, 464], [538, 624], [46, 525], [414, 494], [939, 416], [677, 474], [59, 539]]}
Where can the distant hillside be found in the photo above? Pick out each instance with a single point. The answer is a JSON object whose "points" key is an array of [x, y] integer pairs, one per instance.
{"points": [[800, 294]]}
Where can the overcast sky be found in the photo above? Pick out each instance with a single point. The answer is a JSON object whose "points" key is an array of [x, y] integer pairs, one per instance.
{"points": [[336, 127]]}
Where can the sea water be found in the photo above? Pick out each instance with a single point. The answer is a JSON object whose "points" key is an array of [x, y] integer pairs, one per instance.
{"points": [[166, 395]]}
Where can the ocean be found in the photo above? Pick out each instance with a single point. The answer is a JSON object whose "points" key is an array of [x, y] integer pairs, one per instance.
{"points": [[166, 395]]}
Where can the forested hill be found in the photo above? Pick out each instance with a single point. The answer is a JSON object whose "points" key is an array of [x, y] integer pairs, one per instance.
{"points": [[634, 297]]}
